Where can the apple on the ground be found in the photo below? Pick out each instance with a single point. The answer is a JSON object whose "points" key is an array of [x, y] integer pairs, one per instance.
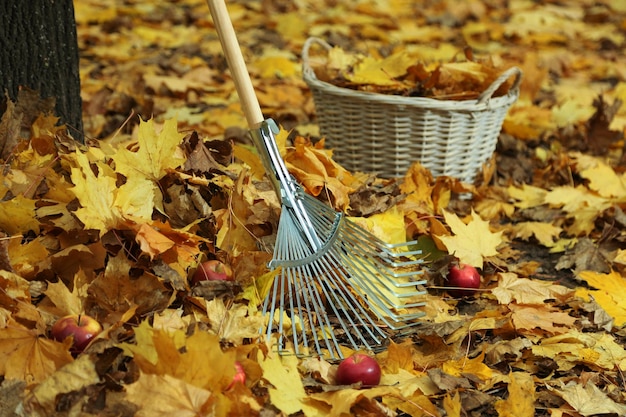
{"points": [[212, 270], [239, 377], [81, 327], [358, 368], [462, 279]]}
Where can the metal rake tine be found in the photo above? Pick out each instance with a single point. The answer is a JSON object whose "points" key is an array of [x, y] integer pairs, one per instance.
{"points": [[332, 266]]}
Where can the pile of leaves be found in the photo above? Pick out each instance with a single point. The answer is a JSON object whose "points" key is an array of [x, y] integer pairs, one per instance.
{"points": [[405, 72], [115, 228]]}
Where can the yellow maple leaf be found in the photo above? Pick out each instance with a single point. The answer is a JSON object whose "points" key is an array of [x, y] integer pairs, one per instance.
{"points": [[29, 357], [573, 199], [26, 257], [165, 396], [464, 365], [521, 399], [201, 363], [544, 232], [17, 215], [158, 153], [235, 323], [381, 72], [388, 226], [608, 293], [287, 392], [66, 301], [527, 196], [574, 347], [452, 405], [602, 178], [104, 206], [471, 242]]}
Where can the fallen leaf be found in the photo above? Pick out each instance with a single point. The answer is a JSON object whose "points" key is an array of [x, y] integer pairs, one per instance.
{"points": [[466, 366], [589, 400], [286, 391], [527, 291], [165, 396], [472, 242], [73, 376], [607, 293], [521, 399], [30, 357], [541, 317], [233, 324]]}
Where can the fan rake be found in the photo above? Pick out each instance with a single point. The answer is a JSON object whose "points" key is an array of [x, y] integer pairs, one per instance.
{"points": [[337, 283]]}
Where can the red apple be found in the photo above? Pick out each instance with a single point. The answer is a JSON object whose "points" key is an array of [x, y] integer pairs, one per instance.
{"points": [[212, 270], [81, 327], [240, 375], [358, 368], [462, 276]]}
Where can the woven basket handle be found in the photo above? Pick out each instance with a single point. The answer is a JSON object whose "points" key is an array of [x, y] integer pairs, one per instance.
{"points": [[513, 71], [306, 67], [236, 64]]}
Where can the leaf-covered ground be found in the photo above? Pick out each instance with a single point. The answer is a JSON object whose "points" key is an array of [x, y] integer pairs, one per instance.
{"points": [[114, 229]]}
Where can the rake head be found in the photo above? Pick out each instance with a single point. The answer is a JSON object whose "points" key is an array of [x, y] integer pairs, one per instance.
{"points": [[334, 275], [338, 282]]}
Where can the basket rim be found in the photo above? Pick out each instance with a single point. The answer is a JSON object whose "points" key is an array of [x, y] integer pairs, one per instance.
{"points": [[484, 102]]}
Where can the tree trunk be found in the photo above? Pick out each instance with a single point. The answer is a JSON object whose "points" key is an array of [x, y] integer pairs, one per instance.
{"points": [[39, 50]]}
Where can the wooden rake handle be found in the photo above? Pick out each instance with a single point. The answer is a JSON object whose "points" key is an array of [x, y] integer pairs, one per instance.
{"points": [[236, 64]]}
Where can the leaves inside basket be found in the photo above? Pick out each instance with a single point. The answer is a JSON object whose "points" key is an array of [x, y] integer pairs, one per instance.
{"points": [[404, 72]]}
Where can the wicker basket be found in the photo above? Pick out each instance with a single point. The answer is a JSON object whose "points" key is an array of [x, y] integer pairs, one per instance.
{"points": [[386, 134]]}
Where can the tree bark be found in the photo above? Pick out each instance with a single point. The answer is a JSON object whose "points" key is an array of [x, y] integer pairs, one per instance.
{"points": [[39, 50]]}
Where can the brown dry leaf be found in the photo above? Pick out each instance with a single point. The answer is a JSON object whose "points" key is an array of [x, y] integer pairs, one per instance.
{"points": [[247, 218], [542, 317], [74, 376], [472, 242], [586, 255], [521, 399], [527, 291], [588, 400], [28, 356], [115, 291]]}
